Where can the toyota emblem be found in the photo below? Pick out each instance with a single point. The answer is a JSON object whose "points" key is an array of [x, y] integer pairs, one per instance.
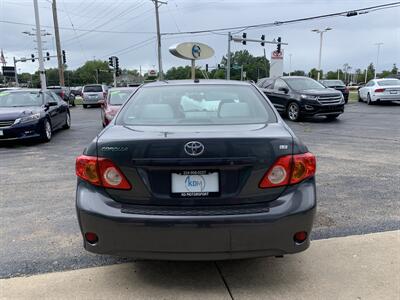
{"points": [[194, 148]]}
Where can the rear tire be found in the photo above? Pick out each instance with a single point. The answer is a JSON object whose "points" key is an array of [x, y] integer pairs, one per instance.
{"points": [[359, 97], [47, 131], [369, 101], [293, 112], [84, 105], [67, 124], [73, 103], [332, 117]]}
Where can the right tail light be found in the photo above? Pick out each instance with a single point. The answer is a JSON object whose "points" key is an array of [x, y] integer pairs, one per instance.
{"points": [[289, 169]]}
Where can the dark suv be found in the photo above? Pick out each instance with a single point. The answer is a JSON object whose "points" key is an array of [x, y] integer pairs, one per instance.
{"points": [[337, 85], [64, 92], [298, 96]]}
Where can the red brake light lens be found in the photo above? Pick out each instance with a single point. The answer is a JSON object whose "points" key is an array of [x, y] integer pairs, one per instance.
{"points": [[289, 169], [101, 172], [379, 90]]}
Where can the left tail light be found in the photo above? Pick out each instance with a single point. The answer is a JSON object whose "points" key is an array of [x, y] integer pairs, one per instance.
{"points": [[289, 169], [101, 172], [379, 90], [62, 94]]}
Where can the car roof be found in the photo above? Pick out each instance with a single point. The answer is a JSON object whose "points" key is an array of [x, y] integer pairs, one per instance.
{"points": [[24, 90], [381, 79], [197, 82], [285, 77], [129, 88]]}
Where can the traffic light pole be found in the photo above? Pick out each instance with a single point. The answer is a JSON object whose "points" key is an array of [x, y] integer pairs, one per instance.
{"points": [[39, 46], [58, 44], [15, 72], [228, 58]]}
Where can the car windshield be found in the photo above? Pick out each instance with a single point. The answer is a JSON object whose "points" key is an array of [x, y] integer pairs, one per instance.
{"points": [[118, 97], [333, 83], [304, 84], [196, 105], [92, 89], [16, 99], [389, 82]]}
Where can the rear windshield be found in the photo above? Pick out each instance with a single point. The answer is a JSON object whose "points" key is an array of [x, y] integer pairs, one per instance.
{"points": [[389, 82], [17, 99], [333, 83], [196, 105], [92, 89], [119, 97], [304, 84]]}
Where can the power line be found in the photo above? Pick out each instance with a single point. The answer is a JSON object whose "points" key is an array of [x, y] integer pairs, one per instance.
{"points": [[346, 13], [78, 29]]}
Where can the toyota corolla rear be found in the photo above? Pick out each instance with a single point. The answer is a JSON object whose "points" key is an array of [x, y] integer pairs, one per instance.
{"points": [[196, 171]]}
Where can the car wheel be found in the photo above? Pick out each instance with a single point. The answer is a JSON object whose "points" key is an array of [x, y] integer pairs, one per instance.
{"points": [[369, 101], [84, 105], [67, 124], [73, 102], [332, 117], [359, 97], [47, 131], [293, 111]]}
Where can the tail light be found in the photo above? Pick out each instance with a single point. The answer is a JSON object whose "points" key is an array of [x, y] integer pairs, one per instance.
{"points": [[289, 169], [101, 172], [62, 94], [379, 90]]}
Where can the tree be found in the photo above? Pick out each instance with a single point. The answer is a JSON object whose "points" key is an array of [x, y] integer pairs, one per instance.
{"points": [[370, 72], [395, 69], [87, 73], [298, 73], [182, 73], [314, 73]]}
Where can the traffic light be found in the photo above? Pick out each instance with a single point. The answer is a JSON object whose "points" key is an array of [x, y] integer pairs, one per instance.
{"points": [[206, 67], [33, 57], [263, 39], [110, 61], [117, 64], [64, 59], [244, 35], [219, 66], [278, 47], [47, 55]]}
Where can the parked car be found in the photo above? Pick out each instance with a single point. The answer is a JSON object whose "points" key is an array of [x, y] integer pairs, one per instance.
{"points": [[380, 90], [196, 170], [94, 94], [76, 90], [298, 96], [30, 113], [64, 92], [115, 98], [337, 85]]}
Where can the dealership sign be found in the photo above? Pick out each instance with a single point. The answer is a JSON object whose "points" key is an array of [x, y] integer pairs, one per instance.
{"points": [[192, 51]]}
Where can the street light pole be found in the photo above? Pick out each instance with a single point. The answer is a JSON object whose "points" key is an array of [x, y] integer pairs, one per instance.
{"points": [[39, 46], [290, 64], [58, 44], [15, 72], [321, 35], [228, 58], [377, 57]]}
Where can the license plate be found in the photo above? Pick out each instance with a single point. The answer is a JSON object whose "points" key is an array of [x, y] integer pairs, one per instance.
{"points": [[1, 133], [195, 183], [393, 92]]}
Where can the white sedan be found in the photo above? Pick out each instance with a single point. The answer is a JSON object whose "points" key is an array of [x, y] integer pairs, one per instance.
{"points": [[380, 90]]}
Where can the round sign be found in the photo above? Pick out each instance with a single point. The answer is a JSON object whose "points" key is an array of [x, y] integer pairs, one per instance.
{"points": [[192, 50]]}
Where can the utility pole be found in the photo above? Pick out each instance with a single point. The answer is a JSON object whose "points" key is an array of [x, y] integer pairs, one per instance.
{"points": [[15, 72], [265, 61], [58, 44], [321, 35], [290, 64], [114, 58], [160, 69], [39, 46], [377, 57], [228, 58]]}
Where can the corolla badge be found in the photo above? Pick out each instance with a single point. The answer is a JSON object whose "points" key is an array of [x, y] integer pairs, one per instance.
{"points": [[196, 50], [195, 183], [194, 148], [115, 149]]}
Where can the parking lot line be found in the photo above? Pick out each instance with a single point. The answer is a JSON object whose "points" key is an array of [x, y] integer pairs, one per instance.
{"points": [[353, 267]]}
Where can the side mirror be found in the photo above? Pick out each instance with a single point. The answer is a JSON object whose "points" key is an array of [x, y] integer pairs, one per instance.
{"points": [[52, 103], [283, 89]]}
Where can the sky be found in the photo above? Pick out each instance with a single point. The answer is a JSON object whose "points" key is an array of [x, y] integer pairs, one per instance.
{"points": [[128, 31]]}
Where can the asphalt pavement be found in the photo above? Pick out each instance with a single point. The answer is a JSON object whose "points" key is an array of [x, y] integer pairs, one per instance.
{"points": [[358, 181]]}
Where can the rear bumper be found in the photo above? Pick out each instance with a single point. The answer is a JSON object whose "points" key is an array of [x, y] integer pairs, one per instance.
{"points": [[383, 98], [216, 237]]}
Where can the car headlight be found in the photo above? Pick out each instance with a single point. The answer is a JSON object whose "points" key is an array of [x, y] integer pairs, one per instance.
{"points": [[308, 97], [31, 118]]}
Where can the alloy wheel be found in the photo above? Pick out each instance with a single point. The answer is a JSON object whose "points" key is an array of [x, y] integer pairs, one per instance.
{"points": [[293, 111]]}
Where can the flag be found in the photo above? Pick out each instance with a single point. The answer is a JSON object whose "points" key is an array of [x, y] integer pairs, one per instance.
{"points": [[2, 59]]}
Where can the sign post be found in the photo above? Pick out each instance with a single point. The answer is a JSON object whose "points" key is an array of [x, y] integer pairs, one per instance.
{"points": [[192, 51]]}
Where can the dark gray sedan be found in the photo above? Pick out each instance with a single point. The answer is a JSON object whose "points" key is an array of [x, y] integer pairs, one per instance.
{"points": [[196, 170]]}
